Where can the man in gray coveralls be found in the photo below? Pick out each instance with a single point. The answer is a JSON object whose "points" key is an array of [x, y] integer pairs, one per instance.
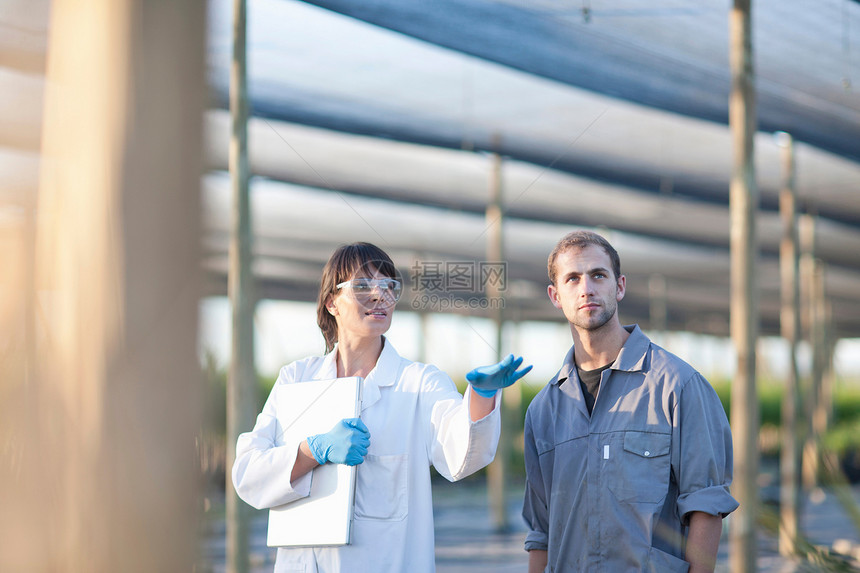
{"points": [[628, 451]]}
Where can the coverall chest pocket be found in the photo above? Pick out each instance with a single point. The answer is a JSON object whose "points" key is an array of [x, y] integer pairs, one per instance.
{"points": [[381, 484], [640, 471]]}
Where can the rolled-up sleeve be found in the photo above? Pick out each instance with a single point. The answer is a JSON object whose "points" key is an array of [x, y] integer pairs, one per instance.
{"points": [[261, 471], [703, 462], [535, 507]]}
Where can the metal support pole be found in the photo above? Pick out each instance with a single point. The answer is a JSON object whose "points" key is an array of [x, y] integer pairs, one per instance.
{"points": [[810, 461], [792, 430], [744, 294], [497, 472], [241, 383], [819, 356], [829, 341]]}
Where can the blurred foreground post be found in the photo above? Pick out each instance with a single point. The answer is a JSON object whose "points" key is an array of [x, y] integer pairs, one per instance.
{"points": [[792, 429], [104, 474], [744, 293], [241, 383], [19, 460]]}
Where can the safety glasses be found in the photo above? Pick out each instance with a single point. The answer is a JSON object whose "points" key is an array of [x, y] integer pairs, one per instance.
{"points": [[366, 289]]}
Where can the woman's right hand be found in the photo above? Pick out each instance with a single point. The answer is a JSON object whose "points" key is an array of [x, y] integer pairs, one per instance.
{"points": [[346, 443]]}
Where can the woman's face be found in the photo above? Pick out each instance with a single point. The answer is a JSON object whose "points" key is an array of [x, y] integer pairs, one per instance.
{"points": [[364, 304]]}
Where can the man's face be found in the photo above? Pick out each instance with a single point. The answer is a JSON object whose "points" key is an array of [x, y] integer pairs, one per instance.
{"points": [[585, 288]]}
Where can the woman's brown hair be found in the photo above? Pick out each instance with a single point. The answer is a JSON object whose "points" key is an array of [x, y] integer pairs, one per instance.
{"points": [[346, 262]]}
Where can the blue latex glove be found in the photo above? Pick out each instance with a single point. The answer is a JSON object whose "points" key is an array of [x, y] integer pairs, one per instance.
{"points": [[346, 443], [487, 380]]}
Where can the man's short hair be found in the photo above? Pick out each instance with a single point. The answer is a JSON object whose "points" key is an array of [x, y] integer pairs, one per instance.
{"points": [[580, 240]]}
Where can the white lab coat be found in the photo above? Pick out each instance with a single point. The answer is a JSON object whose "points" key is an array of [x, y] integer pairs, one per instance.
{"points": [[416, 417]]}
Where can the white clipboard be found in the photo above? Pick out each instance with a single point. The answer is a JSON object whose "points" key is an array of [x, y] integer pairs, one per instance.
{"points": [[324, 518]]}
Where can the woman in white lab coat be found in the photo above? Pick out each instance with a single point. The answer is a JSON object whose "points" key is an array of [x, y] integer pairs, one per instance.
{"points": [[412, 416]]}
